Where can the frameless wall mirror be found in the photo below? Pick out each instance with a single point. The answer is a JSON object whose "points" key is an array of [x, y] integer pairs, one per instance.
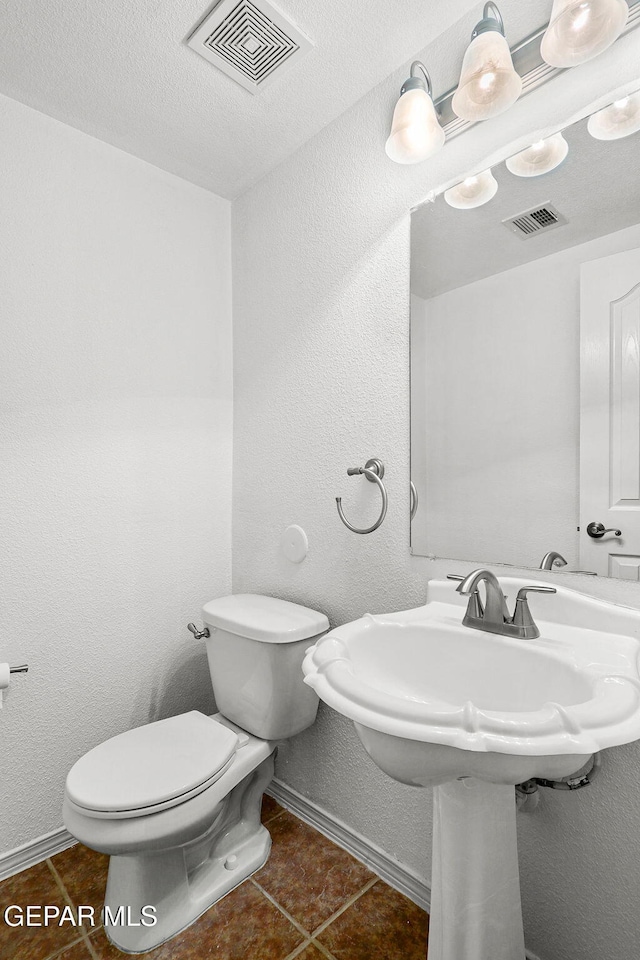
{"points": [[525, 363]]}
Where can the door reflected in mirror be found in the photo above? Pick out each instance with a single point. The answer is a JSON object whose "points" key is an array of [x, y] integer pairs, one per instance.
{"points": [[525, 367]]}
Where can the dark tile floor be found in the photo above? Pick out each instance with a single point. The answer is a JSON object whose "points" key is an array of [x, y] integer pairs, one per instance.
{"points": [[311, 901]]}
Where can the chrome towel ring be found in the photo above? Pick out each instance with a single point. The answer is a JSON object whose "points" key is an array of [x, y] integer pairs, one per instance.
{"points": [[373, 470]]}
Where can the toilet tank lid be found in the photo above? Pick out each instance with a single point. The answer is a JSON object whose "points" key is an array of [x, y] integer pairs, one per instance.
{"points": [[264, 618]]}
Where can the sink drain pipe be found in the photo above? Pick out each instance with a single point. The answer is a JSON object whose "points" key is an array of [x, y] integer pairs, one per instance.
{"points": [[526, 793]]}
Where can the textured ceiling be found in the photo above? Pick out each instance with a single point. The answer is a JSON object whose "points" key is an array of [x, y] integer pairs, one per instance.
{"points": [[597, 189], [122, 72]]}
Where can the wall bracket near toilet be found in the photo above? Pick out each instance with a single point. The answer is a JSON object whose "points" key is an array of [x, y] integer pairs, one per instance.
{"points": [[373, 470], [5, 676]]}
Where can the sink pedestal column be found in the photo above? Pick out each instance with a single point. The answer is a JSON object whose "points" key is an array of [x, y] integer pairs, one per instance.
{"points": [[475, 890]]}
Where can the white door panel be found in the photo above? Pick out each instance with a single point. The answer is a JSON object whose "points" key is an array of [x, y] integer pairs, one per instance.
{"points": [[610, 413]]}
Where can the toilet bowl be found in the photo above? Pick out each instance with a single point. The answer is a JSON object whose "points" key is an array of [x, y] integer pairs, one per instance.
{"points": [[176, 803]]}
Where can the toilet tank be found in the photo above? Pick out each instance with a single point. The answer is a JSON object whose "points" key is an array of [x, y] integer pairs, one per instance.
{"points": [[255, 651]]}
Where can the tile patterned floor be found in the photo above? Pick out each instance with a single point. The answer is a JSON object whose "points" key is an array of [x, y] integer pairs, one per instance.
{"points": [[311, 901]]}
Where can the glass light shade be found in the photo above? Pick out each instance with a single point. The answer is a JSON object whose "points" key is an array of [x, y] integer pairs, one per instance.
{"points": [[539, 158], [489, 84], [581, 29], [472, 192], [619, 119], [415, 131]]}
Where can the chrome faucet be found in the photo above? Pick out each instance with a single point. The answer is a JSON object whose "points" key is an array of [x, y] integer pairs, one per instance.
{"points": [[494, 617], [552, 559]]}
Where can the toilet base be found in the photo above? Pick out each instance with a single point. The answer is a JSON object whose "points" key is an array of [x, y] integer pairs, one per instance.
{"points": [[183, 882]]}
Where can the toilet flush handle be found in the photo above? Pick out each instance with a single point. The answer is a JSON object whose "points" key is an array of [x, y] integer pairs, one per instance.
{"points": [[198, 634]]}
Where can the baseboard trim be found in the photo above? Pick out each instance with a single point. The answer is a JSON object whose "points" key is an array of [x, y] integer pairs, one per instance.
{"points": [[35, 851], [396, 874]]}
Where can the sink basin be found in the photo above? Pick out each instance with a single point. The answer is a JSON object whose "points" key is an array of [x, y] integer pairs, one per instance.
{"points": [[471, 713], [433, 701]]}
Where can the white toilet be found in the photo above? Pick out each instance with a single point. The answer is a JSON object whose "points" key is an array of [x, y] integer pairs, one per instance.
{"points": [[176, 803]]}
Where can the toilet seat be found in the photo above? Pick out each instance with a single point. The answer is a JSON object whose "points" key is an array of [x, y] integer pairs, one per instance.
{"points": [[151, 768]]}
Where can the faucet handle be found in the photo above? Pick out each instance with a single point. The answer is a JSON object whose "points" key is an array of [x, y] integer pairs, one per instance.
{"points": [[522, 617], [475, 607], [523, 591]]}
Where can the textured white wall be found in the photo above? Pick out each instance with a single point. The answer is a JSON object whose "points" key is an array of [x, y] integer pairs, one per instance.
{"points": [[508, 489], [321, 360], [115, 445]]}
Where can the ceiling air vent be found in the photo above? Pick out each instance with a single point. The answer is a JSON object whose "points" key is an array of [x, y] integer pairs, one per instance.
{"points": [[536, 220], [252, 42]]}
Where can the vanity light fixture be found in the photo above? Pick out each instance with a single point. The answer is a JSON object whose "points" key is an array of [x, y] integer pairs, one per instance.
{"points": [[472, 192], [581, 29], [489, 83], [620, 119], [415, 130], [541, 157]]}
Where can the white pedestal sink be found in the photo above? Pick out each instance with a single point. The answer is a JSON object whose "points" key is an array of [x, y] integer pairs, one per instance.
{"points": [[472, 713]]}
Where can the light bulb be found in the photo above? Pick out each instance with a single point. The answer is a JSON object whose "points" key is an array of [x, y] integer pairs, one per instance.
{"points": [[539, 158], [619, 119], [415, 130], [489, 84], [472, 192], [581, 29]]}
